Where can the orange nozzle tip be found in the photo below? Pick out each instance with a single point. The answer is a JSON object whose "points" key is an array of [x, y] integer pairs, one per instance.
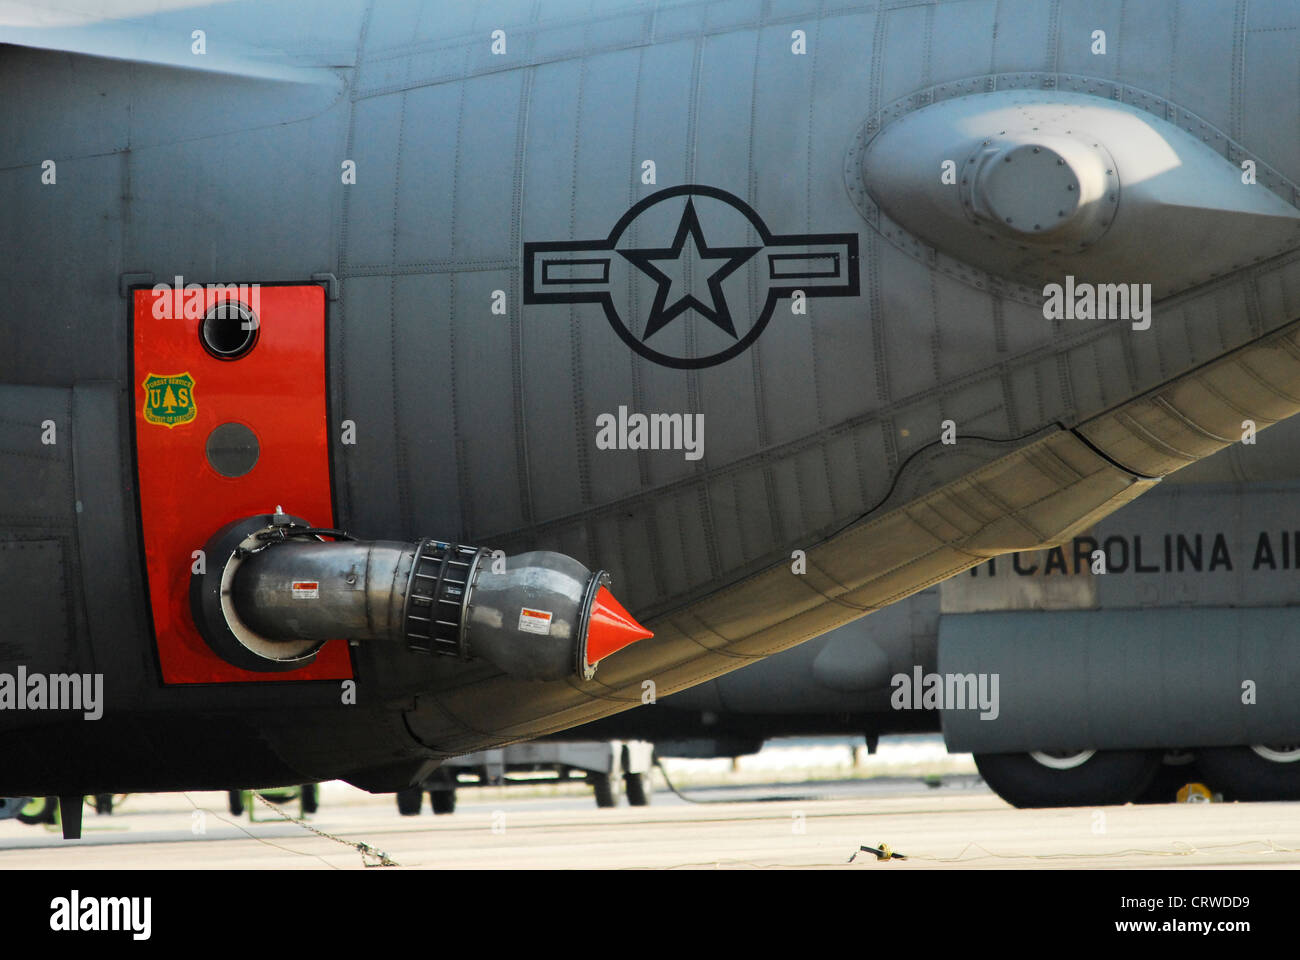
{"points": [[610, 627]]}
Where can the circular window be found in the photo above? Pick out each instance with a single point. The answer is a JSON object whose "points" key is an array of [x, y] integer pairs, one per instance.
{"points": [[232, 449], [229, 330]]}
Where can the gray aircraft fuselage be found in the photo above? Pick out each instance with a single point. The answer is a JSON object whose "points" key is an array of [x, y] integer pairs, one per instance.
{"points": [[652, 285]]}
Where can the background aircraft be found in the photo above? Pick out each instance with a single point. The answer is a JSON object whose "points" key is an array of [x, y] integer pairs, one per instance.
{"points": [[741, 308]]}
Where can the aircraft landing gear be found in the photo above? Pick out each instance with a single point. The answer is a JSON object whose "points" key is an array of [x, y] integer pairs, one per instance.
{"points": [[1261, 772], [441, 787], [409, 801], [1177, 769], [604, 789], [1069, 778], [637, 794]]}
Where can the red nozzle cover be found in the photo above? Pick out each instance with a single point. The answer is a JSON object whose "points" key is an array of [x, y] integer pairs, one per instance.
{"points": [[610, 628]]}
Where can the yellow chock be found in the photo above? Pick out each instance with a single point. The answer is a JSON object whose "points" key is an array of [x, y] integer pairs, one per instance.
{"points": [[1195, 793]]}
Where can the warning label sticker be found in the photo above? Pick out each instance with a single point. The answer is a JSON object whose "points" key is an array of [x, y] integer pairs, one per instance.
{"points": [[534, 621], [306, 589]]}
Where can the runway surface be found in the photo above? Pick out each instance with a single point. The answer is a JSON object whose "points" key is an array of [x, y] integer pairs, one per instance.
{"points": [[958, 824]]}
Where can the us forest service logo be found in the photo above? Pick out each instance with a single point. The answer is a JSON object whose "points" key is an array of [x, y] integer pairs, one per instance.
{"points": [[169, 400], [690, 276]]}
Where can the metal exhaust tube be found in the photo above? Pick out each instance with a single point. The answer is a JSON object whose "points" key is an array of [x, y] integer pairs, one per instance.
{"points": [[276, 591]]}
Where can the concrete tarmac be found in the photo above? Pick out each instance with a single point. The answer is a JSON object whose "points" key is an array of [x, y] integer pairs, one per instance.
{"points": [[957, 824]]}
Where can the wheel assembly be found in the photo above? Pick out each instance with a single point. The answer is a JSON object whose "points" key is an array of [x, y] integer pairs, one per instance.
{"points": [[409, 801], [1260, 772], [1069, 778]]}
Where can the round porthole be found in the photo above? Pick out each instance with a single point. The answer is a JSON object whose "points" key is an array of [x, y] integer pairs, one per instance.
{"points": [[232, 449], [229, 330]]}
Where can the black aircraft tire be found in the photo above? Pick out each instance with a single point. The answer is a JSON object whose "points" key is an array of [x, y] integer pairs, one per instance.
{"points": [[443, 801], [1107, 777], [1168, 781], [604, 789], [236, 801], [637, 795], [310, 797], [1240, 773], [103, 803], [409, 801]]}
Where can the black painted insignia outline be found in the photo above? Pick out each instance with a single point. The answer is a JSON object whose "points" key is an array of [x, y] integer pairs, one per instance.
{"points": [[589, 268]]}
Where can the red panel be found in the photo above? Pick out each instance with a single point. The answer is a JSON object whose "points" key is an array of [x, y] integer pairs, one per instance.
{"points": [[278, 391]]}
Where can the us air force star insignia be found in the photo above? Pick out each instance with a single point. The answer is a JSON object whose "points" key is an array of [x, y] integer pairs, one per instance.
{"points": [[687, 254], [731, 257]]}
